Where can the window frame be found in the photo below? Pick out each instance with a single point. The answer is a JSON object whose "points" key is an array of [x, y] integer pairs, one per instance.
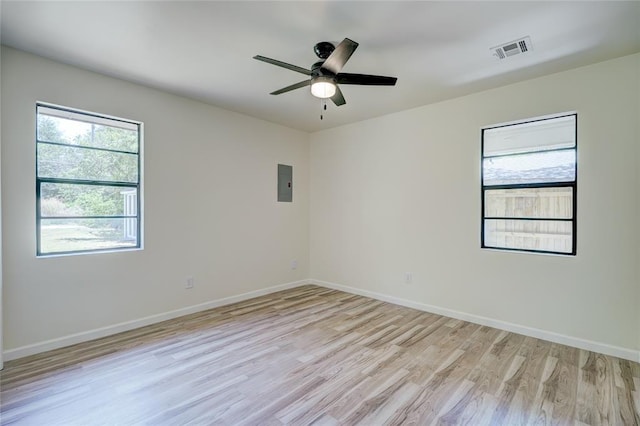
{"points": [[88, 182], [561, 184]]}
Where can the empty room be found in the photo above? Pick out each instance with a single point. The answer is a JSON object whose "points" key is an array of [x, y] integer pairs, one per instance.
{"points": [[320, 212]]}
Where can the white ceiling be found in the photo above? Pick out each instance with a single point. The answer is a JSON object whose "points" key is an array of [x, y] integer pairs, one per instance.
{"points": [[204, 50]]}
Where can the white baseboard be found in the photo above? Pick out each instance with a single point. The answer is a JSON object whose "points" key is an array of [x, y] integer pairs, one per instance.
{"points": [[603, 348], [630, 354], [97, 333]]}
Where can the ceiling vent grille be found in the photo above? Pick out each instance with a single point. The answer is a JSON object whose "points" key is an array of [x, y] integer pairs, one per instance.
{"points": [[513, 48]]}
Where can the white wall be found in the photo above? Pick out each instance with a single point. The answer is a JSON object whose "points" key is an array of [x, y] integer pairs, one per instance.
{"points": [[637, 138], [1, 352], [210, 208], [401, 193], [391, 195]]}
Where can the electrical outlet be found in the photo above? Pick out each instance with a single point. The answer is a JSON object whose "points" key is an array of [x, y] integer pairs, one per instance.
{"points": [[189, 283], [294, 264], [408, 277]]}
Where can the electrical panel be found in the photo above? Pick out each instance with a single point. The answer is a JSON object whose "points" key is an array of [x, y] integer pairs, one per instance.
{"points": [[285, 183]]}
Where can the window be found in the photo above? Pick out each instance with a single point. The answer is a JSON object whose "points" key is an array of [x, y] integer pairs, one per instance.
{"points": [[529, 186], [87, 182]]}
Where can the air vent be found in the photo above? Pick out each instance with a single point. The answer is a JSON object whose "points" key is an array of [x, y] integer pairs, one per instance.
{"points": [[513, 48]]}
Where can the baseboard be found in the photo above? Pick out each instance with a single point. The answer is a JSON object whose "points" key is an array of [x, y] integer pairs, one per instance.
{"points": [[550, 336], [97, 333], [85, 336]]}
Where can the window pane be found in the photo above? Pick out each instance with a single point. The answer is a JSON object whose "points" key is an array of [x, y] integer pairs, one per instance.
{"points": [[539, 167], [549, 203], [537, 235], [68, 162], [539, 135], [58, 199], [68, 127], [64, 235], [110, 138]]}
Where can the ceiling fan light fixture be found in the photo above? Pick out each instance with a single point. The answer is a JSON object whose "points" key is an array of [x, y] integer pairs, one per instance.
{"points": [[323, 87]]}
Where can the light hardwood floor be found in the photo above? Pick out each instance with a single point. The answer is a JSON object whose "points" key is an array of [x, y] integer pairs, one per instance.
{"points": [[316, 356]]}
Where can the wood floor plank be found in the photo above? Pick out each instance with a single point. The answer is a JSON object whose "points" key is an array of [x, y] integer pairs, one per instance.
{"points": [[312, 355]]}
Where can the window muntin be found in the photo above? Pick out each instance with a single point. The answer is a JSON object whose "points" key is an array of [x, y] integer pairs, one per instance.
{"points": [[529, 183], [87, 182]]}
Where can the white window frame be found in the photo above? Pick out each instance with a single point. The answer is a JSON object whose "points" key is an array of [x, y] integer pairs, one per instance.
{"points": [[132, 220]]}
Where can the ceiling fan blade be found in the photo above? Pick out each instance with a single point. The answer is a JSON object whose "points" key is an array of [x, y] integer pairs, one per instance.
{"points": [[283, 64], [292, 87], [338, 98], [366, 79], [340, 56]]}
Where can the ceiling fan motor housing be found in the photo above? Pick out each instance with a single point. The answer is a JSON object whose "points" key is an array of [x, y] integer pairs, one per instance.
{"points": [[323, 49]]}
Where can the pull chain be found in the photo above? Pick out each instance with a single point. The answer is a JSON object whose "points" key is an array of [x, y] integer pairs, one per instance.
{"points": [[323, 105]]}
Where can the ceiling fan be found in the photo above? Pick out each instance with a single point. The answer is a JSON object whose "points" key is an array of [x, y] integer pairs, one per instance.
{"points": [[325, 74]]}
